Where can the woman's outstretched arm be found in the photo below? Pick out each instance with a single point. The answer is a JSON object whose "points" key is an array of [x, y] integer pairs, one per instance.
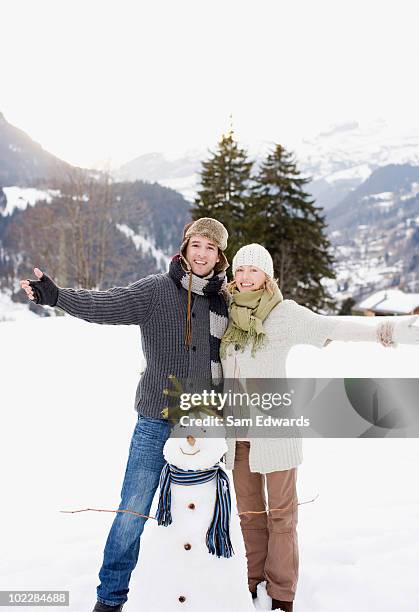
{"points": [[303, 326], [400, 329]]}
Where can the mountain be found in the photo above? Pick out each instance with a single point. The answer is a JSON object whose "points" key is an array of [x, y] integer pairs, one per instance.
{"points": [[338, 160], [104, 235], [22, 160], [341, 158], [375, 233], [178, 173], [365, 176], [155, 213], [85, 230], [370, 201]]}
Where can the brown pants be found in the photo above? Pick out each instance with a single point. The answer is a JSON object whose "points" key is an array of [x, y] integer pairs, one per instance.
{"points": [[270, 539]]}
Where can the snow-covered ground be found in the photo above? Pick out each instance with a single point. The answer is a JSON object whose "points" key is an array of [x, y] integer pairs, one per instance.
{"points": [[11, 311], [66, 418], [22, 197]]}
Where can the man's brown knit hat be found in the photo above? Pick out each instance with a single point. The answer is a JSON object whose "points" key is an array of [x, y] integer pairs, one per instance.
{"points": [[212, 230]]}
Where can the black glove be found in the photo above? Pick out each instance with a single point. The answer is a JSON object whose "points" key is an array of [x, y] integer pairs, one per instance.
{"points": [[45, 291]]}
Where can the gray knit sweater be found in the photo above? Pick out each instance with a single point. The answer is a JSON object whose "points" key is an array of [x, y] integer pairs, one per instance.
{"points": [[159, 307]]}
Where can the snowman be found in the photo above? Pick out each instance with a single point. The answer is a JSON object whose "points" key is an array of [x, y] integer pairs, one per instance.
{"points": [[192, 544]]}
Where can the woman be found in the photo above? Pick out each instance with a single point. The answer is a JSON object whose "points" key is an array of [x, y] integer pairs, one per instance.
{"points": [[262, 329]]}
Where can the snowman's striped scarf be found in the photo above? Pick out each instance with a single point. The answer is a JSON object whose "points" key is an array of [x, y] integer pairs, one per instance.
{"points": [[218, 535]]}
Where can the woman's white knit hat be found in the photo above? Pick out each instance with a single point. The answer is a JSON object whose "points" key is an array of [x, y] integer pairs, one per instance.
{"points": [[254, 255]]}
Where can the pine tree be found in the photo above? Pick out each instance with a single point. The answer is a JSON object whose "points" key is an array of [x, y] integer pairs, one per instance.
{"points": [[346, 306], [224, 193], [289, 224]]}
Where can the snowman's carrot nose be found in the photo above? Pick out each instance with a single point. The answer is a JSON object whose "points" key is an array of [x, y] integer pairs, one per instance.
{"points": [[191, 440]]}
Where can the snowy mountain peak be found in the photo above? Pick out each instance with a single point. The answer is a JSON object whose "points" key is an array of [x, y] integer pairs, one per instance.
{"points": [[338, 128], [22, 160]]}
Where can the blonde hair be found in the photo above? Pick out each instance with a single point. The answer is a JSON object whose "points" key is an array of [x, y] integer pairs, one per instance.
{"points": [[269, 285]]}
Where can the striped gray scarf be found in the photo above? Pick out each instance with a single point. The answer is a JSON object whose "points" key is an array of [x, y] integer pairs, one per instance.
{"points": [[212, 288]]}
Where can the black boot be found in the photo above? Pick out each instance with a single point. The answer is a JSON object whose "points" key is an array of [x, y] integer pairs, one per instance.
{"points": [[254, 593], [101, 607], [278, 604]]}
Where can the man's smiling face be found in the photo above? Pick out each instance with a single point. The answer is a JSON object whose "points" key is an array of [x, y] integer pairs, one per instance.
{"points": [[202, 255]]}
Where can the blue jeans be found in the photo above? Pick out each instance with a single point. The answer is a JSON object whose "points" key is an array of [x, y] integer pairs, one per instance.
{"points": [[145, 462]]}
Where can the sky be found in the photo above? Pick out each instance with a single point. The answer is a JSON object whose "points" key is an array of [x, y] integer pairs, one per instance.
{"points": [[105, 81]]}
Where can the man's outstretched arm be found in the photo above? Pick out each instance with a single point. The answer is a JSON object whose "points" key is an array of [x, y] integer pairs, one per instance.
{"points": [[129, 305]]}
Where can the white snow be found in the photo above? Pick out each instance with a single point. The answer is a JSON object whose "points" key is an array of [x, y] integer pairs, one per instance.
{"points": [[367, 145], [385, 204], [391, 300], [187, 186], [146, 245], [14, 148], [66, 419], [361, 171], [384, 195], [12, 311], [385, 199], [414, 190], [22, 197]]}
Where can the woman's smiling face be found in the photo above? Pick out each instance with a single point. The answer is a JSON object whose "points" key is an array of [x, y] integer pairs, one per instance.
{"points": [[249, 278]]}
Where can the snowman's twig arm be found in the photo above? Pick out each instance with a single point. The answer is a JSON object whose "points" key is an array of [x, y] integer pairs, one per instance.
{"points": [[272, 509], [103, 510], [153, 517]]}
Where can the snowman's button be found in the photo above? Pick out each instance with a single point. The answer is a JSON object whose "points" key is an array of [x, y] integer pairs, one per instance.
{"points": [[182, 599], [187, 546], [191, 506]]}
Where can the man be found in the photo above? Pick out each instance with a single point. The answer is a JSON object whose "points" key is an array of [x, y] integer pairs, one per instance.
{"points": [[182, 315]]}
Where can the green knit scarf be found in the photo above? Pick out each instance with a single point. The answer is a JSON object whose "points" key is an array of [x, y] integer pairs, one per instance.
{"points": [[248, 310]]}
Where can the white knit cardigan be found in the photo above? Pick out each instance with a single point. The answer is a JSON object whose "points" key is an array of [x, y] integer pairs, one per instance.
{"points": [[287, 325]]}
